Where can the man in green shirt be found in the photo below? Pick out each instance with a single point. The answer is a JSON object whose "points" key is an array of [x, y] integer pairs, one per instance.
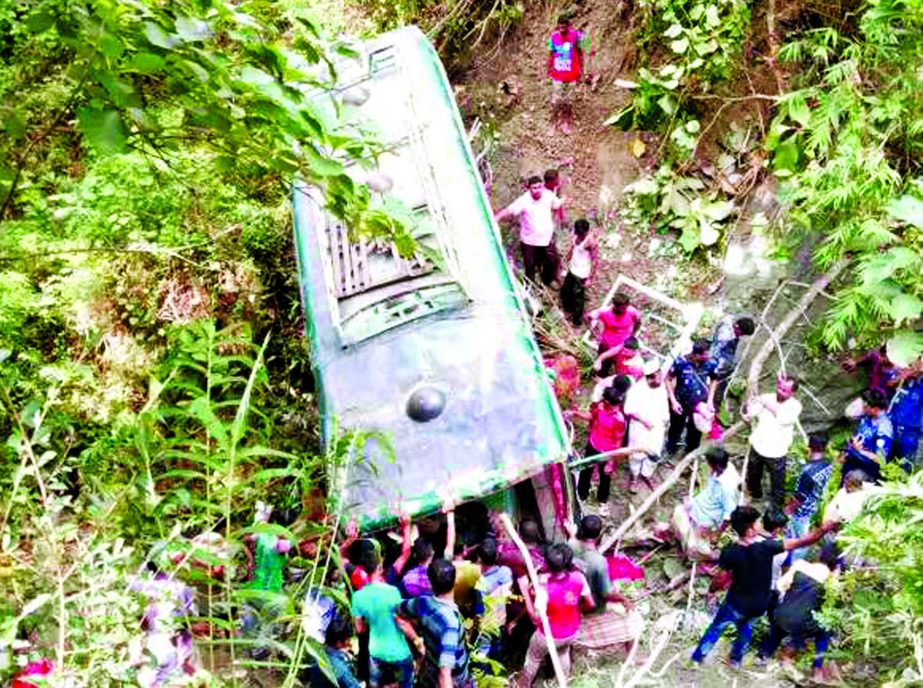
{"points": [[267, 554], [374, 608]]}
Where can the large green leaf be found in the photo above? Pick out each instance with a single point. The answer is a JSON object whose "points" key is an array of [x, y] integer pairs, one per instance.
{"points": [[156, 35], [146, 63], [905, 347], [192, 28], [907, 209], [786, 157], [103, 130], [691, 236], [905, 307]]}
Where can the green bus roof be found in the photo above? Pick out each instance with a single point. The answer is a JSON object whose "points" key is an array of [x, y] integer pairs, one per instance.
{"points": [[447, 324]]}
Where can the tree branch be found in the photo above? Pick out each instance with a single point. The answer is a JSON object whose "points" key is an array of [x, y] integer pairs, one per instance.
{"points": [[818, 286], [68, 106]]}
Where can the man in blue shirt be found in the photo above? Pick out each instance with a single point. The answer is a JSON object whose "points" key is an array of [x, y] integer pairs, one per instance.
{"points": [[445, 660], [907, 418], [871, 443], [810, 490], [691, 381]]}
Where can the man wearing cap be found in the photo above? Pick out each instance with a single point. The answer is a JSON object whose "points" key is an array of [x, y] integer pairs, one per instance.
{"points": [[647, 408]]}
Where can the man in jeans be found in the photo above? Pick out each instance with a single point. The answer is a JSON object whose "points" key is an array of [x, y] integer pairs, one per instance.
{"points": [[750, 562], [691, 381], [810, 490], [442, 631], [534, 209], [774, 417]]}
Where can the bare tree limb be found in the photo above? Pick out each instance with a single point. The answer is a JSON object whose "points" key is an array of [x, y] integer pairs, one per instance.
{"points": [[542, 615], [818, 286]]}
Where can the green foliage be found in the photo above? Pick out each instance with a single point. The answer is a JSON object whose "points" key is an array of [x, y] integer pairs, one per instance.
{"points": [[199, 450], [877, 606], [665, 201], [154, 78], [700, 42], [460, 29], [847, 145]]}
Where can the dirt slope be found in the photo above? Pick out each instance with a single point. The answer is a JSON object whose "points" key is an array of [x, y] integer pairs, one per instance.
{"points": [[509, 92]]}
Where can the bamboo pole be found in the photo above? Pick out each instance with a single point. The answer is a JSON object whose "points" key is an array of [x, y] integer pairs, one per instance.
{"points": [[542, 615]]}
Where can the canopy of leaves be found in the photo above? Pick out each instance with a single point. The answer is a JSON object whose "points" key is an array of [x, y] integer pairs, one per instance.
{"points": [[152, 77], [847, 146]]}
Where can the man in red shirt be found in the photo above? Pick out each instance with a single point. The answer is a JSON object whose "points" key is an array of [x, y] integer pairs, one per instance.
{"points": [[566, 50], [618, 324]]}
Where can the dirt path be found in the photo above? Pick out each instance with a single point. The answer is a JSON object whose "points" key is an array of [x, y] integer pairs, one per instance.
{"points": [[510, 93]]}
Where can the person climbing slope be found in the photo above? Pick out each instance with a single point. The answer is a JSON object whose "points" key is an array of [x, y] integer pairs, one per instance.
{"points": [[534, 210], [612, 327], [750, 561], [606, 434]]}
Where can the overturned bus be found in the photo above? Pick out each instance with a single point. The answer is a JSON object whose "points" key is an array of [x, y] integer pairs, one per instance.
{"points": [[433, 352]]}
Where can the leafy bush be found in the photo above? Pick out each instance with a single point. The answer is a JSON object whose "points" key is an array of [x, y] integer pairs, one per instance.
{"points": [[847, 145], [876, 607], [460, 29], [665, 201], [701, 42]]}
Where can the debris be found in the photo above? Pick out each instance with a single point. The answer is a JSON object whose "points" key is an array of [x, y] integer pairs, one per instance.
{"points": [[637, 147]]}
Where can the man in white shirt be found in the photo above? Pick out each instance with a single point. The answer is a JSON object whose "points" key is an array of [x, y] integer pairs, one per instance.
{"points": [[774, 417], [849, 500], [647, 408], [535, 209]]}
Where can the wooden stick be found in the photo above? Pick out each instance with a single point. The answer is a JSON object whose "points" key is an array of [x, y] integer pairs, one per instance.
{"points": [[542, 615], [663, 487], [743, 477], [646, 668], [598, 458]]}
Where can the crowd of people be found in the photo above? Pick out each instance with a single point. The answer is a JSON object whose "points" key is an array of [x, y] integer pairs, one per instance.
{"points": [[435, 605], [444, 598], [456, 604], [643, 410]]}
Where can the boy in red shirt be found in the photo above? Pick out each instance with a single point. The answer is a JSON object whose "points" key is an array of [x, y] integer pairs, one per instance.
{"points": [[566, 50], [606, 434]]}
